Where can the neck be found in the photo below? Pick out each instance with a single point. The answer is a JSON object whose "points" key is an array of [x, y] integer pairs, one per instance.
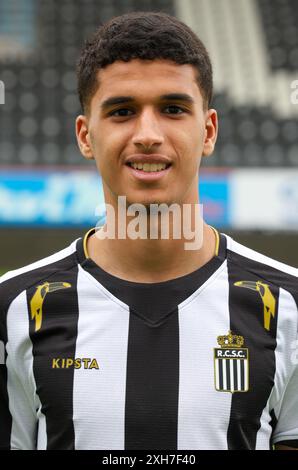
{"points": [[151, 260]]}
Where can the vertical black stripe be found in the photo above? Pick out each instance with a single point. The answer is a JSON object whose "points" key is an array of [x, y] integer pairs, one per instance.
{"points": [[5, 416], [242, 375], [235, 374], [220, 373], [56, 339], [228, 375], [247, 319], [151, 413]]}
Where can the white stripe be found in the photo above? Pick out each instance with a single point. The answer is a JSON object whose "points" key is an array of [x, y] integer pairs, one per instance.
{"points": [[40, 263], [254, 255], [286, 334], [42, 432], [216, 374], [198, 426], [264, 432], [99, 395], [232, 374], [224, 374], [23, 400], [245, 375]]}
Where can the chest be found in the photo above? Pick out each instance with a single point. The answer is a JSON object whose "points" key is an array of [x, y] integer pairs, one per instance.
{"points": [[185, 377]]}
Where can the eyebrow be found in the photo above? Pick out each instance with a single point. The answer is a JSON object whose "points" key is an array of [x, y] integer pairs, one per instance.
{"points": [[128, 99]]}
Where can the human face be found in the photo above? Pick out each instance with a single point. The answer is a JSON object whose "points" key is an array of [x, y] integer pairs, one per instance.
{"points": [[177, 130]]}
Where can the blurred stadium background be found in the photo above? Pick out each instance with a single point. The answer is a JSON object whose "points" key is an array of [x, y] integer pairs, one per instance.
{"points": [[249, 187]]}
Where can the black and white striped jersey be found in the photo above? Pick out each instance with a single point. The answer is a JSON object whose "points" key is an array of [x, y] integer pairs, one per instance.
{"points": [[204, 361]]}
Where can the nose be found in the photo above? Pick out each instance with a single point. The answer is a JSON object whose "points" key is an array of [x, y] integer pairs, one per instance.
{"points": [[147, 132]]}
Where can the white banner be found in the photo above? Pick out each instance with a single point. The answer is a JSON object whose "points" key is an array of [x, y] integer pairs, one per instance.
{"points": [[262, 198]]}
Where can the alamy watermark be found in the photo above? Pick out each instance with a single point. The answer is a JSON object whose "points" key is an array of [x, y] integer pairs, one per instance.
{"points": [[2, 92], [294, 94], [153, 221]]}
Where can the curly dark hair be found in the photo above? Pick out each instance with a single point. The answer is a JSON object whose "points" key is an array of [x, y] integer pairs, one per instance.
{"points": [[142, 35]]}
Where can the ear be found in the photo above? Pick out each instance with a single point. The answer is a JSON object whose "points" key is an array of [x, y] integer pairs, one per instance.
{"points": [[211, 130], [83, 137]]}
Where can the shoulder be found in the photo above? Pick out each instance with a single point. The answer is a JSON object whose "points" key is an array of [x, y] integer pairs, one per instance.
{"points": [[14, 282], [268, 269]]}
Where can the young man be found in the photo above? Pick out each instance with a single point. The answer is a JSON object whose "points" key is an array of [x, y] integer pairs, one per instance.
{"points": [[139, 343]]}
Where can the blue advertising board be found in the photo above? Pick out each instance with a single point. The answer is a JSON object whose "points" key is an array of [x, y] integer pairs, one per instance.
{"points": [[75, 198]]}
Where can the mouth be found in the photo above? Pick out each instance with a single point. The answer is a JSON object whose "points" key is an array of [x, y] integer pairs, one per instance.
{"points": [[148, 171]]}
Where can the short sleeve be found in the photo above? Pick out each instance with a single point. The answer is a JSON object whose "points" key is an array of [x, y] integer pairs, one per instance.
{"points": [[18, 422], [287, 422]]}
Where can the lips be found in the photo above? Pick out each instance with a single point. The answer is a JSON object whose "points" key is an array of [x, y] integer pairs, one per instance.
{"points": [[130, 164], [147, 158], [148, 176]]}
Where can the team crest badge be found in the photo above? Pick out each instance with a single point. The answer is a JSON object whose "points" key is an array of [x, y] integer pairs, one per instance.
{"points": [[231, 364]]}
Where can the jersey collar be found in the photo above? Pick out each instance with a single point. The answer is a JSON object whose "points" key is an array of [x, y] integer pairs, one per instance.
{"points": [[83, 256]]}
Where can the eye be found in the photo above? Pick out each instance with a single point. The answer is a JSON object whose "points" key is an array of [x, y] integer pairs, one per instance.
{"points": [[174, 108], [121, 111]]}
